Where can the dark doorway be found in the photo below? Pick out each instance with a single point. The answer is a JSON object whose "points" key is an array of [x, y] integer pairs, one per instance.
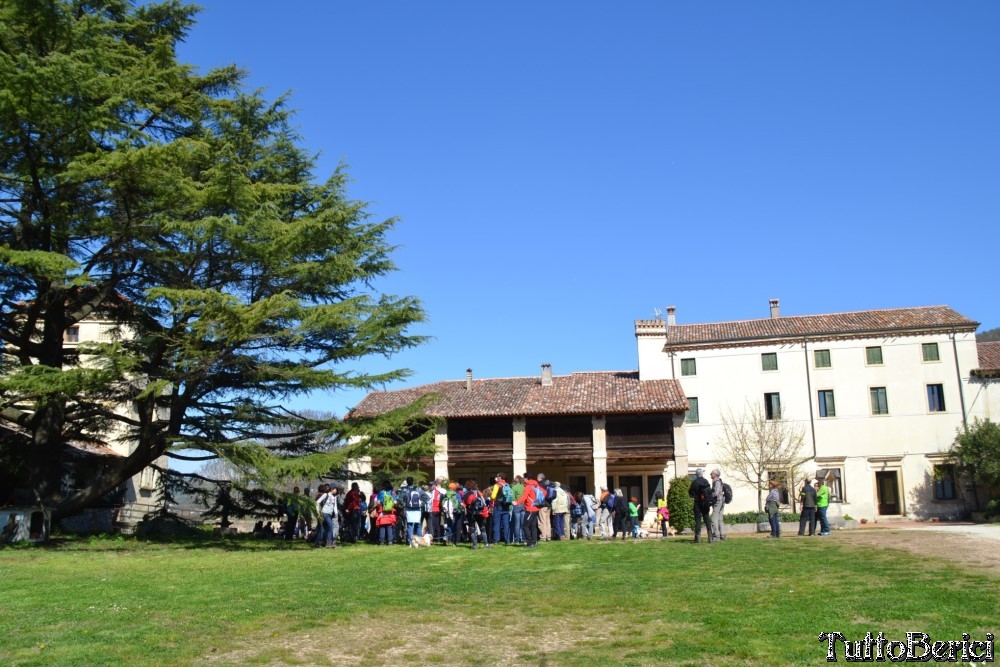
{"points": [[887, 485]]}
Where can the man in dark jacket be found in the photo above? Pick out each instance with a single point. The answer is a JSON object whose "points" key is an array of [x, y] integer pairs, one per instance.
{"points": [[701, 493], [807, 517]]}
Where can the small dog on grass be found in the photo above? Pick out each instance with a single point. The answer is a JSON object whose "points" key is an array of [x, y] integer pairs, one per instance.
{"points": [[422, 541]]}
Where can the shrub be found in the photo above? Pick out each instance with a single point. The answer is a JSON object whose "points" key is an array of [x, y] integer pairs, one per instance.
{"points": [[680, 503]]}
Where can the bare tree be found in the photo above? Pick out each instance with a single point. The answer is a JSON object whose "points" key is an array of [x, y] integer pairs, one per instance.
{"points": [[752, 447]]}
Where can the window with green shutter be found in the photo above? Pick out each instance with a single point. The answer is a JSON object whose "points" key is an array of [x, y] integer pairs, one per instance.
{"points": [[691, 416], [688, 367], [930, 351], [769, 361], [873, 355], [822, 358]]}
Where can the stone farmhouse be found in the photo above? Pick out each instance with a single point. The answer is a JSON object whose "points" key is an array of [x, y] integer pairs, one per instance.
{"points": [[877, 396]]}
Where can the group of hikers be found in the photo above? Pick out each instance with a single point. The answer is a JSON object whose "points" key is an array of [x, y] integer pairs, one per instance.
{"points": [[522, 511]]}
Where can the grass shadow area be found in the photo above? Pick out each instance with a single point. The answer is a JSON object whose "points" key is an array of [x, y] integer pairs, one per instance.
{"points": [[746, 601]]}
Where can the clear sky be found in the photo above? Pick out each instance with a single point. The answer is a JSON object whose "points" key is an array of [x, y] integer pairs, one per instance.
{"points": [[561, 169]]}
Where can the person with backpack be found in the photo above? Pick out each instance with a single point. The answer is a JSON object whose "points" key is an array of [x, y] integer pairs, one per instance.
{"points": [[590, 509], [530, 500], [718, 531], [577, 515], [385, 521], [413, 498], [605, 518], [621, 514], [434, 518], [502, 500], [701, 493], [560, 510], [517, 511], [476, 511], [327, 506], [545, 509], [354, 516], [452, 511]]}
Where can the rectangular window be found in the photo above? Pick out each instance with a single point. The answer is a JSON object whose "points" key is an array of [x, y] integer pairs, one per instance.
{"points": [[826, 405], [772, 406], [935, 397], [944, 482], [769, 361], [880, 402], [930, 352], [73, 335], [688, 367], [822, 358], [691, 416], [873, 355]]}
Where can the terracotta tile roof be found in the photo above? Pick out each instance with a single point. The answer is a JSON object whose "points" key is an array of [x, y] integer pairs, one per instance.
{"points": [[579, 393], [856, 324], [989, 360]]}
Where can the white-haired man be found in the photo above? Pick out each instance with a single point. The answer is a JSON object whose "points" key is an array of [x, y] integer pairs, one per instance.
{"points": [[718, 529]]}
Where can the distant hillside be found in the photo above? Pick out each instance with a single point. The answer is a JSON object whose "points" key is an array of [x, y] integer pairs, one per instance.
{"points": [[990, 335]]}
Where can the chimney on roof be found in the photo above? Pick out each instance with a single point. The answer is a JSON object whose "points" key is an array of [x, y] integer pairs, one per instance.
{"points": [[546, 375], [671, 316], [775, 309], [468, 379]]}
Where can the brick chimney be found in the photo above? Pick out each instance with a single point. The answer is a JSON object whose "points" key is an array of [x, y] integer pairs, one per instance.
{"points": [[671, 316], [775, 309], [468, 379], [546, 375]]}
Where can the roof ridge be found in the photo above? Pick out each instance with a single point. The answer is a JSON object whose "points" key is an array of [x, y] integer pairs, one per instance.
{"points": [[792, 317]]}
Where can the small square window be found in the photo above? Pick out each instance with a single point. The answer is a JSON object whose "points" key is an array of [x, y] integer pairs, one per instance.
{"points": [[691, 416], [930, 352], [822, 358], [769, 361], [827, 408], [873, 355], [689, 367], [73, 334], [935, 397], [772, 406], [880, 401], [944, 482]]}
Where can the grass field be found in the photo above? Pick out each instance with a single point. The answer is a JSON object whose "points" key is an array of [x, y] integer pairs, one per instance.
{"points": [[746, 601]]}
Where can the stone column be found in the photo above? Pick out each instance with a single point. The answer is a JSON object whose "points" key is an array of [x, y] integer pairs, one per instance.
{"points": [[680, 446], [362, 467], [520, 439], [441, 451], [600, 442]]}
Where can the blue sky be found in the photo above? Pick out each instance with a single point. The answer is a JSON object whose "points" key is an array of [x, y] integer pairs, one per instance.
{"points": [[561, 169]]}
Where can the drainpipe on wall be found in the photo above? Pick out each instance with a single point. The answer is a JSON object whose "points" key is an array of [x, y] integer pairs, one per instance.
{"points": [[809, 390], [958, 374]]}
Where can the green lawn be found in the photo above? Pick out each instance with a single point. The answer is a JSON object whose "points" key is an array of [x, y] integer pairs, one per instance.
{"points": [[747, 601]]}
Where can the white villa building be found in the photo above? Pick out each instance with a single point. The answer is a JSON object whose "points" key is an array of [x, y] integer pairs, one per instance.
{"points": [[877, 395]]}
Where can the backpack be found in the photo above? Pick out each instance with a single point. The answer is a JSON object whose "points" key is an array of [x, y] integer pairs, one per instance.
{"points": [[506, 495], [413, 499], [478, 504], [609, 502], [550, 495], [451, 505], [727, 491], [704, 495], [539, 496], [388, 502]]}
